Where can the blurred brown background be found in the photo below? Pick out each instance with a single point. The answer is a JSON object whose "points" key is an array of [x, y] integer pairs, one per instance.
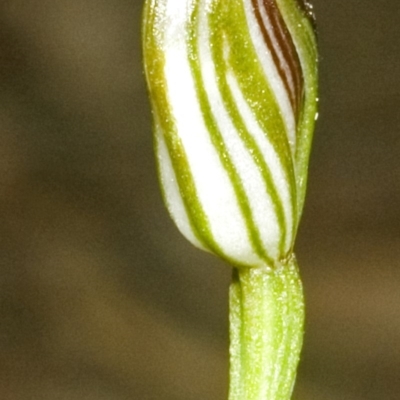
{"points": [[100, 296]]}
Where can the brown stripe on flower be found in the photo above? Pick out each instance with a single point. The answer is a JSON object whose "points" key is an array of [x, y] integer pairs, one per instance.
{"points": [[291, 76]]}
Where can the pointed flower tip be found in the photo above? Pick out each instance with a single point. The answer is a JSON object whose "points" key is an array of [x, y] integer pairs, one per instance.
{"points": [[308, 9]]}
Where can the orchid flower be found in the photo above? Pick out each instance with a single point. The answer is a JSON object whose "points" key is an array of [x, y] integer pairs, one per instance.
{"points": [[233, 86]]}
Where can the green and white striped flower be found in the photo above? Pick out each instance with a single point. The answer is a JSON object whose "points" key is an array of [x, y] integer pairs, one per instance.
{"points": [[233, 90]]}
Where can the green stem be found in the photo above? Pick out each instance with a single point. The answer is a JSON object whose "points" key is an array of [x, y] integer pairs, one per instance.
{"points": [[266, 329]]}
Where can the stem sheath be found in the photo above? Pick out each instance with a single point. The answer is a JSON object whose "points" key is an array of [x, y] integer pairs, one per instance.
{"points": [[266, 331]]}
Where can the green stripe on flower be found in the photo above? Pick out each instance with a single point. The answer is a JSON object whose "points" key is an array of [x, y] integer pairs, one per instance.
{"points": [[167, 136]]}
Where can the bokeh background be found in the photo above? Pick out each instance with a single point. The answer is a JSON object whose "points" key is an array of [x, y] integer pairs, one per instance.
{"points": [[100, 296]]}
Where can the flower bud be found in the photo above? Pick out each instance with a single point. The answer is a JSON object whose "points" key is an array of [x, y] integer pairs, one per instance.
{"points": [[233, 91]]}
